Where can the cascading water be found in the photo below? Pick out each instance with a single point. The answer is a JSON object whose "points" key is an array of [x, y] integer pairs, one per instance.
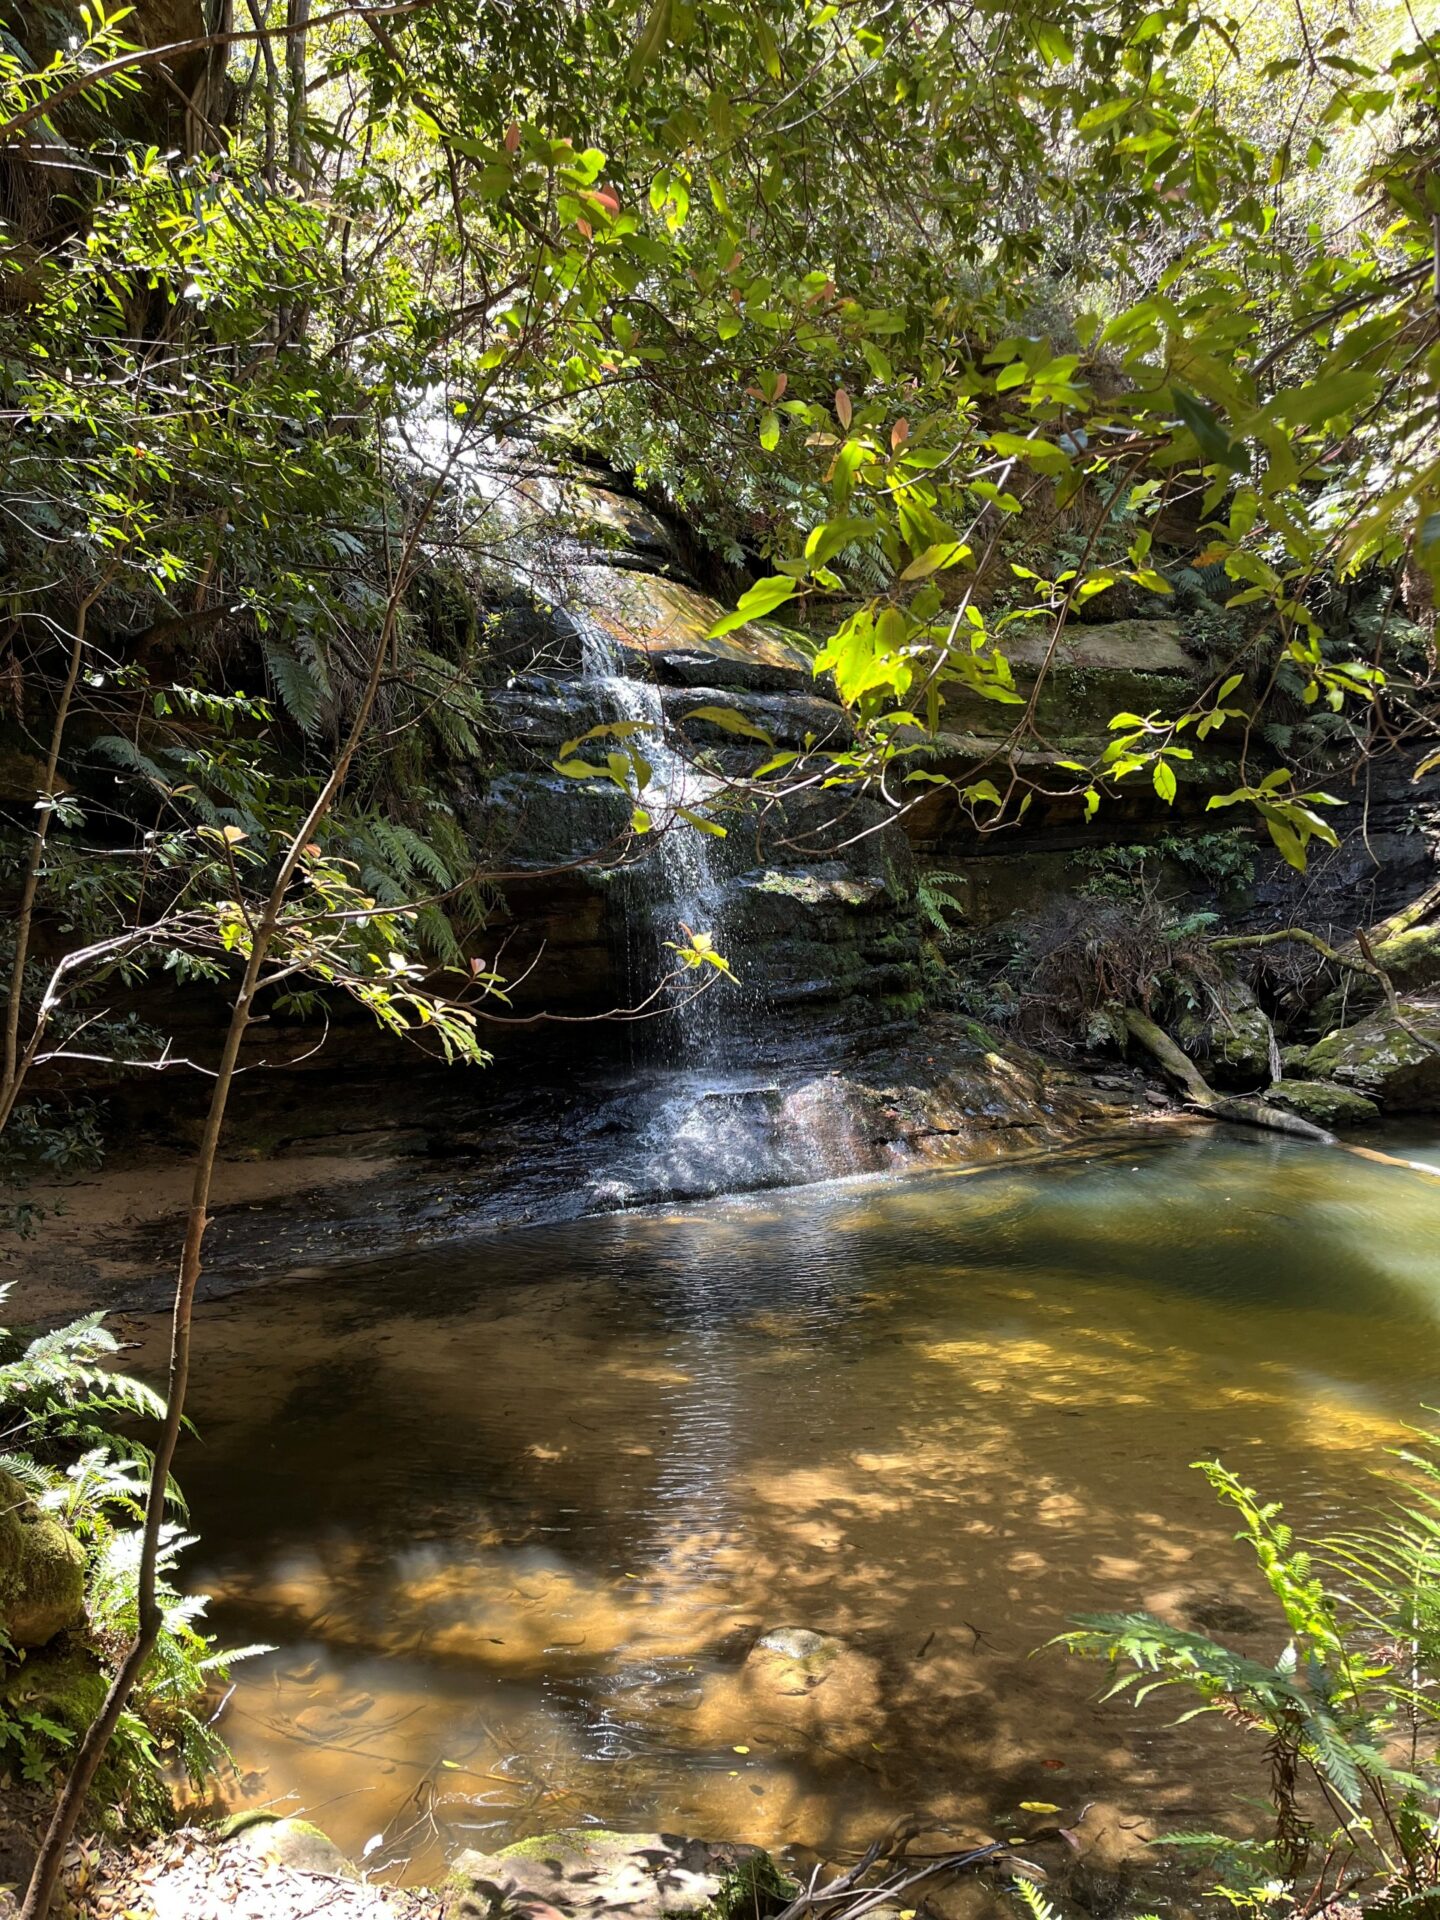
{"points": [[677, 884], [713, 1117]]}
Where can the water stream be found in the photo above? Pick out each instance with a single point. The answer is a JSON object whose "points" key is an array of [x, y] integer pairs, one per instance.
{"points": [[677, 885], [516, 1512]]}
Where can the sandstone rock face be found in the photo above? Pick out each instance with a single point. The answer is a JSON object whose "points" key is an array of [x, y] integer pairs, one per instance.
{"points": [[1324, 1102], [1397, 1065], [591, 1871], [42, 1571]]}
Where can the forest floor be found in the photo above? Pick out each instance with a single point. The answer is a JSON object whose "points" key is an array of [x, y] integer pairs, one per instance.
{"points": [[189, 1875]]}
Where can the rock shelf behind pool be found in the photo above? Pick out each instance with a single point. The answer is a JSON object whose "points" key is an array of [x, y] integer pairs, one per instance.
{"points": [[592, 1871]]}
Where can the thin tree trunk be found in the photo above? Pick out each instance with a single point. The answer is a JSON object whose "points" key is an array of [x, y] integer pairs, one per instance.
{"points": [[297, 30], [13, 1073], [43, 1880]]}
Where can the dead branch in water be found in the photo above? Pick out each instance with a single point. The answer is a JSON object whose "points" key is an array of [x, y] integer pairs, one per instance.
{"points": [[844, 1898]]}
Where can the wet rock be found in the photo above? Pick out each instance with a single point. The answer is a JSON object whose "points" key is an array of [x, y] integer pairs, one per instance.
{"points": [[296, 1844], [42, 1571], [798, 1644], [1324, 1102], [591, 1871], [1397, 1065], [647, 613]]}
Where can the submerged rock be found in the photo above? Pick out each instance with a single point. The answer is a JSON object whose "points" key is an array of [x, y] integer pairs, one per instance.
{"points": [[1324, 1102], [42, 1571], [590, 1870], [1397, 1065], [798, 1643]]}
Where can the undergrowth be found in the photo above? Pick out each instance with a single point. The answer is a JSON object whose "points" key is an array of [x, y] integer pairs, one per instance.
{"points": [[63, 1409], [1347, 1709]]}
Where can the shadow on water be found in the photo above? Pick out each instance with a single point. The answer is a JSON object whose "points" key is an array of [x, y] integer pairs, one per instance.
{"points": [[515, 1513]]}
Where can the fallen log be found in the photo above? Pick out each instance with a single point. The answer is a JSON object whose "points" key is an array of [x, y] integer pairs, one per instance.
{"points": [[1246, 1112]]}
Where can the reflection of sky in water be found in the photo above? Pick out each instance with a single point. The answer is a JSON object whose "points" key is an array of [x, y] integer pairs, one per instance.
{"points": [[524, 1504]]}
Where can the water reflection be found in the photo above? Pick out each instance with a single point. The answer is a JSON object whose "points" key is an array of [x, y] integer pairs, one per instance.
{"points": [[517, 1512]]}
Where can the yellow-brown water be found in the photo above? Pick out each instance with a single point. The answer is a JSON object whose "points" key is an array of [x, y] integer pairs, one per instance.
{"points": [[516, 1512]]}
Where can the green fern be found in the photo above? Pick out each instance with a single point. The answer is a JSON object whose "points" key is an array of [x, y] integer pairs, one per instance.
{"points": [[294, 680], [1359, 1665], [934, 902], [59, 1399]]}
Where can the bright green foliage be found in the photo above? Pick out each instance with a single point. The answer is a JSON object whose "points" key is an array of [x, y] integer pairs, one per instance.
{"points": [[870, 301], [61, 1402], [1346, 1707]]}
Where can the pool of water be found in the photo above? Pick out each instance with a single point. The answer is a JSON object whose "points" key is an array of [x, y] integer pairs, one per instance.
{"points": [[515, 1513]]}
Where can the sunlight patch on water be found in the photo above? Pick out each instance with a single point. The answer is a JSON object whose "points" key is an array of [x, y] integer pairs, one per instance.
{"points": [[518, 1513]]}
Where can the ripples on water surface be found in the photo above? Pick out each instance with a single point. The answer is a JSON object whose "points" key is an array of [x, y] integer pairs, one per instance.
{"points": [[515, 1512]]}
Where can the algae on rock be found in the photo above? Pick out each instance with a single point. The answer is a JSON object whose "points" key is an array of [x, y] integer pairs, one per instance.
{"points": [[42, 1571], [1398, 1065], [1324, 1102]]}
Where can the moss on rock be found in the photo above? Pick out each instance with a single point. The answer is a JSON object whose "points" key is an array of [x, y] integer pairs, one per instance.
{"points": [[1324, 1103], [1234, 1039], [1411, 958], [1398, 1065], [297, 1844], [42, 1571]]}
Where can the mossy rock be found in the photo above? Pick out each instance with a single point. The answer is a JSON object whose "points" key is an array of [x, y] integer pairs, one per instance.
{"points": [[1411, 958], [42, 1571], [1324, 1103], [296, 1844], [67, 1685], [1233, 1040], [1397, 1065]]}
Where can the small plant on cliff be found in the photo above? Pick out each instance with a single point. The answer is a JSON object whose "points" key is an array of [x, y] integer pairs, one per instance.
{"points": [[1347, 1709], [934, 901]]}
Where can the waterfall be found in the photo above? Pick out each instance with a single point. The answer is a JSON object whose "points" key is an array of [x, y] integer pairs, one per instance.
{"points": [[676, 883]]}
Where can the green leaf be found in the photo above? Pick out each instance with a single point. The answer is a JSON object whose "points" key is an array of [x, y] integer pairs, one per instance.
{"points": [[755, 603], [945, 553], [1323, 399], [699, 821], [1164, 778], [653, 36], [732, 722], [832, 535]]}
